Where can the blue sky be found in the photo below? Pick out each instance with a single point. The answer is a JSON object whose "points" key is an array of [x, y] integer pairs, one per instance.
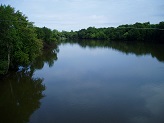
{"points": [[77, 14]]}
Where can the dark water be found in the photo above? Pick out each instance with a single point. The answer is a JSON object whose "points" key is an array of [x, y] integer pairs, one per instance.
{"points": [[88, 82]]}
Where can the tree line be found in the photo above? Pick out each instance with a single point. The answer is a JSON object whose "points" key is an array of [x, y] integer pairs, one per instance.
{"points": [[20, 41], [134, 32]]}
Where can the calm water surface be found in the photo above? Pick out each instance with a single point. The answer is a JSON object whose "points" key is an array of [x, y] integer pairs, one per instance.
{"points": [[88, 83]]}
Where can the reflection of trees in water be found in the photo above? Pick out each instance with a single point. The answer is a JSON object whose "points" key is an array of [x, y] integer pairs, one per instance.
{"points": [[137, 48], [20, 92], [20, 96], [49, 56]]}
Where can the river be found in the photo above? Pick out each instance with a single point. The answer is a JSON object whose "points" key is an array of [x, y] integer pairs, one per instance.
{"points": [[88, 82]]}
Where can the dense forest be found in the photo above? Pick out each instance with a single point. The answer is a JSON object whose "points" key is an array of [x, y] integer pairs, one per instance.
{"points": [[135, 32], [21, 42]]}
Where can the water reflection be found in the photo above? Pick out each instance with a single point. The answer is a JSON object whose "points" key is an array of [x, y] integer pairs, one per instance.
{"points": [[20, 92], [154, 101], [94, 84], [20, 96], [137, 48], [98, 84], [49, 56]]}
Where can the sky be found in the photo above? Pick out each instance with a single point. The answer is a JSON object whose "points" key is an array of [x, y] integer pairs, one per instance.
{"points": [[79, 14]]}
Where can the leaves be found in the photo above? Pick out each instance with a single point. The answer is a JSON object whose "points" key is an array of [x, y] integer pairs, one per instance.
{"points": [[18, 40], [136, 32]]}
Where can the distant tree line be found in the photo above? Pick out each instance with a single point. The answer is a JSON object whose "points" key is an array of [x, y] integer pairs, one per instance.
{"points": [[135, 32], [20, 41]]}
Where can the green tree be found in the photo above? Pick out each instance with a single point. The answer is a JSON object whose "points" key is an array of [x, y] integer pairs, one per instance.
{"points": [[40, 33], [47, 35], [18, 41]]}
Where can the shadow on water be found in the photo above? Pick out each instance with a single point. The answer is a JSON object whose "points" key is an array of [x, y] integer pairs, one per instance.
{"points": [[49, 56], [19, 97], [137, 48], [20, 92]]}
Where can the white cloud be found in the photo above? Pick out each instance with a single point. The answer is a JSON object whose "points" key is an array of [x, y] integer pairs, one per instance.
{"points": [[77, 14]]}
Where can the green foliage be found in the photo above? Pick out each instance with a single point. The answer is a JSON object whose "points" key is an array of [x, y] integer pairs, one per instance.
{"points": [[47, 35], [39, 32], [48, 56], [3, 66], [136, 32], [18, 41]]}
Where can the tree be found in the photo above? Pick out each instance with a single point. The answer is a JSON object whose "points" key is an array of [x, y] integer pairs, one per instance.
{"points": [[18, 41], [160, 32], [40, 33], [47, 35]]}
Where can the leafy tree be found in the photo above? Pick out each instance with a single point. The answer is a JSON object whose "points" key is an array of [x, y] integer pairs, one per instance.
{"points": [[18, 41], [47, 35], [40, 33]]}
